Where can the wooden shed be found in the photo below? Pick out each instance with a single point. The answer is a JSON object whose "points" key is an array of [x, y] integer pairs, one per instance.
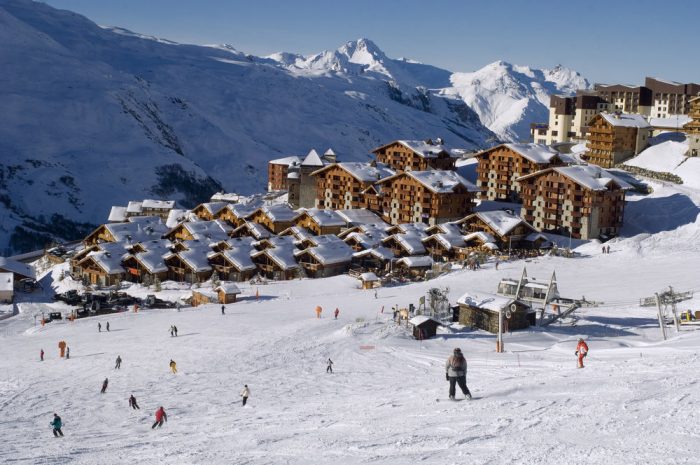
{"points": [[224, 293], [369, 280], [481, 311], [424, 327]]}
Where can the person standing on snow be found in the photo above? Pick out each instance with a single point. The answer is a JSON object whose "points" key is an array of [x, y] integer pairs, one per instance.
{"points": [[161, 416], [118, 364], [133, 404], [99, 327], [67, 353], [329, 368], [245, 393], [108, 326], [41, 355], [172, 331], [318, 311], [175, 329], [581, 352], [456, 373], [223, 310], [337, 311], [173, 366], [56, 424], [104, 386]]}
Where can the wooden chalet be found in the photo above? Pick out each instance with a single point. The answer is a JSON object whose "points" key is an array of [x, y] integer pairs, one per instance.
{"points": [[234, 264], [277, 171], [499, 168], [210, 231], [145, 267], [190, 266], [615, 137], [324, 260], [424, 327], [224, 293], [505, 229], [341, 185], [692, 128], [320, 221], [275, 218], [481, 311], [415, 155], [101, 268], [277, 263], [430, 197], [443, 246], [414, 267], [377, 259], [369, 280], [404, 245], [234, 214], [250, 229], [209, 211], [19, 270], [584, 201]]}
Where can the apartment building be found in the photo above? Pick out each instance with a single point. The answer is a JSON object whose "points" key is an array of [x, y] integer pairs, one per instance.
{"points": [[416, 155], [341, 185], [615, 137]]}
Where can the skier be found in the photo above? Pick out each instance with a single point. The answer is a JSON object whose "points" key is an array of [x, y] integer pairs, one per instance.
{"points": [[178, 305], [118, 364], [62, 348], [318, 311], [223, 310], [172, 331], [56, 424], [336, 313], [245, 393], [173, 366], [161, 416], [67, 353], [41, 355], [581, 351], [607, 250], [108, 326], [329, 368], [175, 329], [99, 327], [133, 404], [496, 265], [456, 373], [104, 386]]}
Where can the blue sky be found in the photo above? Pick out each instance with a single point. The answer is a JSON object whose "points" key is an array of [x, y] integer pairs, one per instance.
{"points": [[607, 41]]}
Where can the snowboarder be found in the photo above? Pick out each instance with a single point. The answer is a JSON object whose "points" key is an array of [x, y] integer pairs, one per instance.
{"points": [[456, 373], [223, 310], [104, 386], [108, 326], [329, 368], [118, 364], [175, 329], [161, 416], [581, 351], [99, 327], [336, 313], [41, 355], [173, 366], [56, 424], [67, 353], [245, 393], [133, 404], [318, 311]]}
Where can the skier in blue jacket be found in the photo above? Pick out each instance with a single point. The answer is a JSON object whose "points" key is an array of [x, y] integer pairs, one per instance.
{"points": [[56, 424]]}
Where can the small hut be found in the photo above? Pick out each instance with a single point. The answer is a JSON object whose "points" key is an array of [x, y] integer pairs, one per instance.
{"points": [[414, 266], [481, 311], [424, 327], [369, 280], [224, 293]]}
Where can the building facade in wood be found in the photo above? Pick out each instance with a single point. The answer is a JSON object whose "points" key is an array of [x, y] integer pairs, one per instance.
{"points": [[277, 172], [584, 201], [341, 185], [415, 155], [428, 197], [499, 168], [506, 229], [275, 218], [209, 210], [482, 311], [692, 128], [615, 137], [320, 221]]}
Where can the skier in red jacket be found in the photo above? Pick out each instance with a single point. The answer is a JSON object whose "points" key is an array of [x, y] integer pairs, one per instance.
{"points": [[581, 351], [161, 416]]}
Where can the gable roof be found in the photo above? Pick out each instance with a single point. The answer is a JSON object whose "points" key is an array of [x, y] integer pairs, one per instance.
{"points": [[284, 161], [421, 261], [363, 172], [329, 253], [323, 217], [420, 147], [358, 216], [117, 214], [16, 267], [257, 230], [240, 257], [151, 203], [501, 222], [591, 177], [152, 260], [411, 242], [486, 301], [438, 181], [625, 120], [283, 256], [277, 213], [312, 159]]}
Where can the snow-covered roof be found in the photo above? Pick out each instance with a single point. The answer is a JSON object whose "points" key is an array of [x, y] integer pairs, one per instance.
{"points": [[500, 221], [329, 253], [176, 216], [324, 217], [365, 172], [379, 252], [136, 231], [228, 288], [592, 176], [420, 319], [366, 240], [214, 207], [358, 216], [240, 257], [325, 239], [241, 210], [626, 120], [245, 241], [312, 159], [134, 207], [278, 213], [196, 258], [156, 245], [110, 262], [163, 204], [152, 260], [258, 231], [284, 161], [447, 240], [421, 148], [225, 197], [7, 281], [671, 122], [486, 301], [441, 181], [536, 153], [480, 236], [215, 230], [369, 277], [419, 228], [422, 261], [445, 228], [283, 256], [411, 242], [117, 215], [145, 220], [329, 152]]}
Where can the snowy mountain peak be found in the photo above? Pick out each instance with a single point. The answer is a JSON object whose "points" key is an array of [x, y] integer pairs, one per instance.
{"points": [[363, 51]]}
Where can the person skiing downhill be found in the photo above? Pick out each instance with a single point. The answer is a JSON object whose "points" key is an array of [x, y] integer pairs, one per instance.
{"points": [[104, 386], [329, 368], [133, 404], [581, 351], [161, 416], [456, 373], [56, 424], [118, 363], [245, 393], [173, 366]]}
